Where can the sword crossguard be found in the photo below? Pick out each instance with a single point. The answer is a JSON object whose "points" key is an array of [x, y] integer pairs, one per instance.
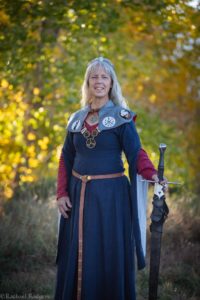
{"points": [[168, 182]]}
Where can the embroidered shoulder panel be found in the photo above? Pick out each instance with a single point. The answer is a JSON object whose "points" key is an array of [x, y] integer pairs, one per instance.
{"points": [[109, 117]]}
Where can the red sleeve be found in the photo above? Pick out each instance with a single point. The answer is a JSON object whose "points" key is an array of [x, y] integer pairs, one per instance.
{"points": [[61, 179], [145, 166], [134, 118]]}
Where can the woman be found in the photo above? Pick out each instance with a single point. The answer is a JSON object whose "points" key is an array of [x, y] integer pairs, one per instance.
{"points": [[99, 226]]}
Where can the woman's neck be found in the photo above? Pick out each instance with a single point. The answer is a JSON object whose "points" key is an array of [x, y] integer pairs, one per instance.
{"points": [[97, 103]]}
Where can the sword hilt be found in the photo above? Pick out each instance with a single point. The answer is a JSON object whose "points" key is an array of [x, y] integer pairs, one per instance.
{"points": [[162, 149]]}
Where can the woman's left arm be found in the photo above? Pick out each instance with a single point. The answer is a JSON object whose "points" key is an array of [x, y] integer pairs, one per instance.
{"points": [[145, 167]]}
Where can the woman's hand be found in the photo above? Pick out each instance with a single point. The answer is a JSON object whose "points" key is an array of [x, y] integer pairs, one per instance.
{"points": [[64, 206], [164, 182]]}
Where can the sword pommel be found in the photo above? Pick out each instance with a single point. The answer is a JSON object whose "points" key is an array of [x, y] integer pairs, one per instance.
{"points": [[163, 146], [162, 149]]}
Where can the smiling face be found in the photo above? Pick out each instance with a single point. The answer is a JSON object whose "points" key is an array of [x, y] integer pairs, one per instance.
{"points": [[99, 83]]}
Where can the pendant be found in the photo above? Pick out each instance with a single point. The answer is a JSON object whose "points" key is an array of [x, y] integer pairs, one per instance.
{"points": [[95, 132], [90, 137], [90, 142]]}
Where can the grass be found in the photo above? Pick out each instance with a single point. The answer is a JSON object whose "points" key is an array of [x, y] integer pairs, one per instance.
{"points": [[28, 237], [28, 231], [179, 267]]}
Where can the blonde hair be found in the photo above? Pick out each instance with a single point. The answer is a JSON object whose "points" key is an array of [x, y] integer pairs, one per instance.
{"points": [[115, 93]]}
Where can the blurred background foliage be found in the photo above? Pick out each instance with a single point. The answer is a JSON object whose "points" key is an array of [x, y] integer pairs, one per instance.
{"points": [[44, 49]]}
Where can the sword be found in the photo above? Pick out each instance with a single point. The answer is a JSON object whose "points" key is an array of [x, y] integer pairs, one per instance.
{"points": [[168, 182], [158, 216]]}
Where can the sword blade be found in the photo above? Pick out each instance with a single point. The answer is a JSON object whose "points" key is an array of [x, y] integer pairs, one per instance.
{"points": [[156, 238]]}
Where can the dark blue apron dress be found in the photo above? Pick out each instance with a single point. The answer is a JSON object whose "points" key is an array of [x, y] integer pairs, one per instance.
{"points": [[111, 233]]}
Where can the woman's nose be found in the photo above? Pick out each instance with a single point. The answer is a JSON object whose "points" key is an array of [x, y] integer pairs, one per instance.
{"points": [[99, 79]]}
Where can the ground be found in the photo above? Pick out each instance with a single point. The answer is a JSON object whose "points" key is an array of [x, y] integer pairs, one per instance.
{"points": [[28, 233]]}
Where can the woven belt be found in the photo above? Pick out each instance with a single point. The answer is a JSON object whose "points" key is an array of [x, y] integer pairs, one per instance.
{"points": [[85, 179]]}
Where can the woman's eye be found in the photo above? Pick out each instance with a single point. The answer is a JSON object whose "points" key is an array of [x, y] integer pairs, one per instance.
{"points": [[96, 77]]}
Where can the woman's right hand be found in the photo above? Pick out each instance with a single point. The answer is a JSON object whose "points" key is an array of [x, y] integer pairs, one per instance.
{"points": [[64, 206]]}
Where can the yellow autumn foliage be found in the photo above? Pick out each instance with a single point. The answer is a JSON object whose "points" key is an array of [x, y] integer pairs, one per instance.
{"points": [[154, 49]]}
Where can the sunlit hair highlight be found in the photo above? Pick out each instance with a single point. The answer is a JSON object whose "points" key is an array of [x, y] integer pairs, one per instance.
{"points": [[115, 93]]}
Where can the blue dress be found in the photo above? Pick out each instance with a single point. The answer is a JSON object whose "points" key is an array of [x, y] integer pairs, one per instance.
{"points": [[111, 232]]}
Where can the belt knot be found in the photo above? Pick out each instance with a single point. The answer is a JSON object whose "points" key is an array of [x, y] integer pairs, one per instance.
{"points": [[85, 178]]}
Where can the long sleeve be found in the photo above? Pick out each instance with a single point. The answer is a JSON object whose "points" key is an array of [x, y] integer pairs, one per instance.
{"points": [[65, 166], [61, 179], [145, 168], [131, 146]]}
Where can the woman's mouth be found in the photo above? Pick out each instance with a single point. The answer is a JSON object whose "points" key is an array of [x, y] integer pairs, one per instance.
{"points": [[99, 89]]}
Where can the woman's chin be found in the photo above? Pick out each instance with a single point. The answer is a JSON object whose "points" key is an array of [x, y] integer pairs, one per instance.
{"points": [[100, 95]]}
